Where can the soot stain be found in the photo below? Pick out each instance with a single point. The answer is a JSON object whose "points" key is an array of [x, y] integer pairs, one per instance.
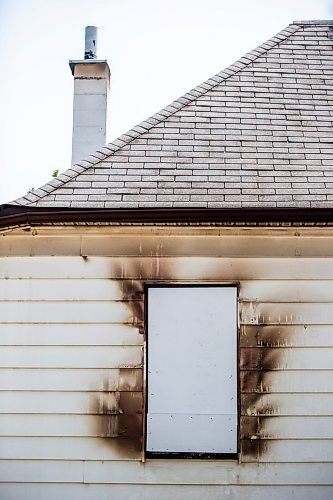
{"points": [[130, 379], [131, 289], [132, 274], [119, 414], [257, 362], [119, 421]]}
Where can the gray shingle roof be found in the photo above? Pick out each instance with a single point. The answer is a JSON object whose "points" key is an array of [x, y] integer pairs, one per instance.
{"points": [[258, 134]]}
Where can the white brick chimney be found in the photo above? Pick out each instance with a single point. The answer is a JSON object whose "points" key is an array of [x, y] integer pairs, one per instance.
{"points": [[91, 95]]}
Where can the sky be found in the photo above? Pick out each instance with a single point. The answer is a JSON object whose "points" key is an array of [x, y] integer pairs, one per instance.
{"points": [[157, 50]]}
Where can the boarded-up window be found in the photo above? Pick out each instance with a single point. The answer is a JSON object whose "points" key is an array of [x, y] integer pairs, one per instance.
{"points": [[192, 370]]}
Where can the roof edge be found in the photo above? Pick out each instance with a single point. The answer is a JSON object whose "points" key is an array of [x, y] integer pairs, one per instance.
{"points": [[126, 138], [15, 215]]}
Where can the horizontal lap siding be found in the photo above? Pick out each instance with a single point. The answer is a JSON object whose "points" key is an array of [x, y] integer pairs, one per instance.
{"points": [[286, 361], [41, 424], [71, 365], [286, 381], [168, 268], [162, 492], [110, 402], [70, 334], [165, 472], [70, 379], [59, 424], [58, 289]]}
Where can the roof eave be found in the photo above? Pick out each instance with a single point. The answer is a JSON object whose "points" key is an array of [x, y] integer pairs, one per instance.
{"points": [[14, 215]]}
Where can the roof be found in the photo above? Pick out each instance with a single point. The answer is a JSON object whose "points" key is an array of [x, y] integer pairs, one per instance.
{"points": [[259, 134]]}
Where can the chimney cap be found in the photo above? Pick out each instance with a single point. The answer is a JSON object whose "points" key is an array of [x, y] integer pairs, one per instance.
{"points": [[74, 62]]}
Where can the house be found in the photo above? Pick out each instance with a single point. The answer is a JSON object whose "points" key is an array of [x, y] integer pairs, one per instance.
{"points": [[166, 314]]}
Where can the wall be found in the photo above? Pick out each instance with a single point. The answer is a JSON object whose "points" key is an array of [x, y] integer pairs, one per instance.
{"points": [[72, 356]]}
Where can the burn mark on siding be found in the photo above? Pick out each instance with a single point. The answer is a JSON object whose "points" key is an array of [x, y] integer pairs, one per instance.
{"points": [[260, 358], [251, 379], [119, 416], [272, 336], [130, 420], [256, 362], [131, 274], [131, 289], [130, 380], [250, 428], [124, 421]]}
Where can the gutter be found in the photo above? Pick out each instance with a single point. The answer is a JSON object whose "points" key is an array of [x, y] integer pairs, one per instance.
{"points": [[17, 215]]}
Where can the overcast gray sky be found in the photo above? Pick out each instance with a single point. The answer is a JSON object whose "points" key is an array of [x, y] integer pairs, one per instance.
{"points": [[157, 50]]}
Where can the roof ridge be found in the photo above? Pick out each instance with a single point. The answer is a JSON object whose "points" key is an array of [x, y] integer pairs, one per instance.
{"points": [[314, 22], [126, 138]]}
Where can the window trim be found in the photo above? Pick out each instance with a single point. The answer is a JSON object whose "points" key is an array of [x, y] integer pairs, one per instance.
{"points": [[190, 455]]}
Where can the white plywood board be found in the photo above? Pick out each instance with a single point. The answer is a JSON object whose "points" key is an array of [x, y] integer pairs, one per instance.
{"points": [[192, 433], [192, 373]]}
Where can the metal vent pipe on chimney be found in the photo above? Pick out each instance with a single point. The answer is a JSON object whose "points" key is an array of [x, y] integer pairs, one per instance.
{"points": [[90, 48], [91, 95]]}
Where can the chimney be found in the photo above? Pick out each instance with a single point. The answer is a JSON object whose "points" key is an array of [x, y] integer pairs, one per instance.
{"points": [[91, 95]]}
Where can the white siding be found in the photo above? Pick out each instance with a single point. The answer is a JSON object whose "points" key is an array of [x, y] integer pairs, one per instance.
{"points": [[72, 356], [117, 491]]}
